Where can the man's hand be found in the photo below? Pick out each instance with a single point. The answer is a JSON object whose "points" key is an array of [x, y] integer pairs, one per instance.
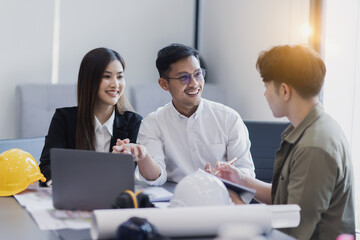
{"points": [[139, 152], [208, 169], [226, 171], [235, 197], [230, 173]]}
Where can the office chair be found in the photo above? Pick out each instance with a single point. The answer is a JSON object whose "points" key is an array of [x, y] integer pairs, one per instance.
{"points": [[265, 139], [36, 104]]}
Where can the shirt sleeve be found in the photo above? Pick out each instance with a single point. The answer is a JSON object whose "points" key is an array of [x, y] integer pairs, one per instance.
{"points": [[239, 146], [311, 184], [150, 137]]}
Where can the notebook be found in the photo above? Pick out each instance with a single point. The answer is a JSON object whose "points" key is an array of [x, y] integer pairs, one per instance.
{"points": [[88, 180]]}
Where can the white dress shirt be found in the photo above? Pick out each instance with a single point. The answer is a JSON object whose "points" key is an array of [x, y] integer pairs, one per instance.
{"points": [[181, 145], [103, 134]]}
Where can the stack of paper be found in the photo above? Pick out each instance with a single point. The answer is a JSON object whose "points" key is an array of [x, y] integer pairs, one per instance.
{"points": [[38, 202], [158, 194]]}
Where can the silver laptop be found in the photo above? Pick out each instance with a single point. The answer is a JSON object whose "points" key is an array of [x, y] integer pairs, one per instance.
{"points": [[88, 180]]}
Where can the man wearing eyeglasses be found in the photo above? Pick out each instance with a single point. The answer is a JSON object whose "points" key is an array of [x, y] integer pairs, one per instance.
{"points": [[189, 131]]}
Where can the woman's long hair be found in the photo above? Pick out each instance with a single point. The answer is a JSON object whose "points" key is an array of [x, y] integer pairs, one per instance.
{"points": [[90, 76]]}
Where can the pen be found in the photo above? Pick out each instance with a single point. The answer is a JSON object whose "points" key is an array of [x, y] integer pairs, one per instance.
{"points": [[228, 163]]}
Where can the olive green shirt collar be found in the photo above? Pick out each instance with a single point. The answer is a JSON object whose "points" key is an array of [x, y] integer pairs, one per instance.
{"points": [[291, 134]]}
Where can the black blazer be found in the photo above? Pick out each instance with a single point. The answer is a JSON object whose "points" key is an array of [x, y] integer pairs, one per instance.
{"points": [[63, 128]]}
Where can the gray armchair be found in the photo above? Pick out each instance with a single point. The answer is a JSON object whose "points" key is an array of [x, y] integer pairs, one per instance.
{"points": [[146, 98], [36, 104]]}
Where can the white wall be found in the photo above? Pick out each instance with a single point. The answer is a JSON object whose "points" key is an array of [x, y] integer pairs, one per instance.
{"points": [[25, 52], [232, 34], [342, 83], [341, 39], [136, 29]]}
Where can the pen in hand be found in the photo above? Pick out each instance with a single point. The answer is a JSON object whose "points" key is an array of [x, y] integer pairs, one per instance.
{"points": [[227, 163]]}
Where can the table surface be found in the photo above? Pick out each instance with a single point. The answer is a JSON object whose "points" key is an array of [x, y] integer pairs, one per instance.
{"points": [[16, 223]]}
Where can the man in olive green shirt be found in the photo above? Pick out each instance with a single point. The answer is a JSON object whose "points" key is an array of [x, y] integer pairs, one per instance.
{"points": [[313, 165]]}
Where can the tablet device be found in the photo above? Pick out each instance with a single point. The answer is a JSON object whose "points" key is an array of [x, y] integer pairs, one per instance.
{"points": [[246, 194], [88, 180]]}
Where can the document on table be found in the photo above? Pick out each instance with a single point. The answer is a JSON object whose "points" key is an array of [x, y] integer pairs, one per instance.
{"points": [[38, 202], [156, 194]]}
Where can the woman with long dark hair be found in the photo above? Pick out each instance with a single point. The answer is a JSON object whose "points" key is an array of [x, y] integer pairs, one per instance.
{"points": [[103, 115]]}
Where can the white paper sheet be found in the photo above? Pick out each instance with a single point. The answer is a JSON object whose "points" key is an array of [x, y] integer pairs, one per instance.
{"points": [[38, 202], [176, 222], [156, 194], [35, 197], [52, 219]]}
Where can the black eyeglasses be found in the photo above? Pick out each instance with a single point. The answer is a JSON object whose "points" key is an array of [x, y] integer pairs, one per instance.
{"points": [[185, 79]]}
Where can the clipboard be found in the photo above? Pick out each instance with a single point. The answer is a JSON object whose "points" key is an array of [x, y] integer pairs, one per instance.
{"points": [[246, 194]]}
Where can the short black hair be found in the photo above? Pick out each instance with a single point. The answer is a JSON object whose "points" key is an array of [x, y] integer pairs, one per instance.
{"points": [[171, 54], [298, 65]]}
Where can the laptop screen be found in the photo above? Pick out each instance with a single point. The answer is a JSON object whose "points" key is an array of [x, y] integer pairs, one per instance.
{"points": [[88, 180]]}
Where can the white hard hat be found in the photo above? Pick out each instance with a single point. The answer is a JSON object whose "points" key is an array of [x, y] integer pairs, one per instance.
{"points": [[200, 189]]}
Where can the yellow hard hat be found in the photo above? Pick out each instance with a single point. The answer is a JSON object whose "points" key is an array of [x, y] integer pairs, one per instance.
{"points": [[18, 169]]}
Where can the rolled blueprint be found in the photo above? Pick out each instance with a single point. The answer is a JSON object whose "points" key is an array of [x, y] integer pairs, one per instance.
{"points": [[185, 221], [284, 216]]}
